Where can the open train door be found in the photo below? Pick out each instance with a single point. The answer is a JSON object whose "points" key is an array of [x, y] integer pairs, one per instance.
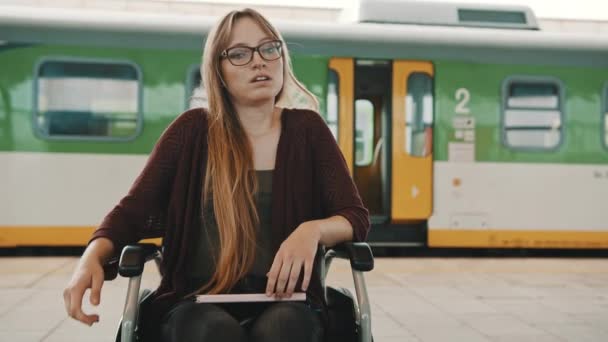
{"points": [[412, 137]]}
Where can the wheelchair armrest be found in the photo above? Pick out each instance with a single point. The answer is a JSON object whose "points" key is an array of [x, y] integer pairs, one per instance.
{"points": [[359, 254], [134, 254], [133, 258]]}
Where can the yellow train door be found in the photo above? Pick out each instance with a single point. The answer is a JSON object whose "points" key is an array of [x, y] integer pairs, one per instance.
{"points": [[412, 136]]}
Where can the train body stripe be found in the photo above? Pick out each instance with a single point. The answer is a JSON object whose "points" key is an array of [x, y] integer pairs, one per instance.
{"points": [[15, 236], [505, 238]]}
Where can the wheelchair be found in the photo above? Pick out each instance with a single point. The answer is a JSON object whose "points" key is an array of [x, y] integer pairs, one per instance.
{"points": [[350, 316]]}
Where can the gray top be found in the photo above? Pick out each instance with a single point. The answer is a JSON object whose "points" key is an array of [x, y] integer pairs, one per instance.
{"points": [[206, 240]]}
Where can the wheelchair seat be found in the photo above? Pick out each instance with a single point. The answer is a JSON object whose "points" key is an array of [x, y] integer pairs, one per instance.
{"points": [[349, 316]]}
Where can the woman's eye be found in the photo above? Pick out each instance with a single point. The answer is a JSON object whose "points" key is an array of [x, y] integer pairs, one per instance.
{"points": [[237, 55]]}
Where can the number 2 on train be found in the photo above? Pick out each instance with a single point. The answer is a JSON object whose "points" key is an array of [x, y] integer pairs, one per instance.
{"points": [[462, 96]]}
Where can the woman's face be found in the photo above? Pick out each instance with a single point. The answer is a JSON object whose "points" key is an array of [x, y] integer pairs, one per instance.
{"points": [[260, 80]]}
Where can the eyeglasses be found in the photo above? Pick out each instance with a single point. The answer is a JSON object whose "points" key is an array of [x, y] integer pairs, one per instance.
{"points": [[241, 55]]}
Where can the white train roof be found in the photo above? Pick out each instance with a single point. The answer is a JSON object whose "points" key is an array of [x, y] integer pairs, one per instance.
{"points": [[181, 31]]}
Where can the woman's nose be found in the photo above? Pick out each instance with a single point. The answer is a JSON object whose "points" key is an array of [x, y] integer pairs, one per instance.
{"points": [[258, 61]]}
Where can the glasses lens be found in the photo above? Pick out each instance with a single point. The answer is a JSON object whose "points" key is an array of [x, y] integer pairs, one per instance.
{"points": [[239, 56], [270, 50]]}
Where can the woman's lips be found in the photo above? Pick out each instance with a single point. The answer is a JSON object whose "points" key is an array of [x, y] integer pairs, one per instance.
{"points": [[260, 78]]}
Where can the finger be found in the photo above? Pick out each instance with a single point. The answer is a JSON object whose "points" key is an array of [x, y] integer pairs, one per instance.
{"points": [[272, 276], [87, 319], [75, 302], [66, 300], [293, 277], [96, 284], [307, 274], [283, 277], [76, 305]]}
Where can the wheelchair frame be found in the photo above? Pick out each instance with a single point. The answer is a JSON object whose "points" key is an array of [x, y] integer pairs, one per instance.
{"points": [[133, 258]]}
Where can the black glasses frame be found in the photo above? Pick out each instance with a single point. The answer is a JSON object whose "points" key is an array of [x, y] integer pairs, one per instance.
{"points": [[278, 45]]}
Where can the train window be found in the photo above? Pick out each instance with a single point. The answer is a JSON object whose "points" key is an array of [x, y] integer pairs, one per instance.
{"points": [[488, 16], [87, 100], [532, 114], [364, 132], [419, 115], [196, 96], [333, 104]]}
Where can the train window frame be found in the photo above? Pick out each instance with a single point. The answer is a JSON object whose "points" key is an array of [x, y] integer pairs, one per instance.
{"points": [[604, 117], [408, 143], [333, 125], [190, 85], [42, 133], [561, 99], [368, 145]]}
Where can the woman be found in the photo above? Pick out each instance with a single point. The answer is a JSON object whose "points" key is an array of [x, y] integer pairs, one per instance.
{"points": [[242, 195]]}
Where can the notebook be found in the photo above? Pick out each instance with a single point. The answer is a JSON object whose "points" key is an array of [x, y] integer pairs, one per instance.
{"points": [[248, 297]]}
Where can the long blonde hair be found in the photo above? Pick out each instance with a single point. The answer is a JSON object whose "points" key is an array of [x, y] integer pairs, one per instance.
{"points": [[229, 181]]}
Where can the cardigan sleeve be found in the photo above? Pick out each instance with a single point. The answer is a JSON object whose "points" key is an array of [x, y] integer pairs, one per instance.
{"points": [[338, 191], [141, 213]]}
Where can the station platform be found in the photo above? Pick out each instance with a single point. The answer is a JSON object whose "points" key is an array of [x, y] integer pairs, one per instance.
{"points": [[413, 299]]}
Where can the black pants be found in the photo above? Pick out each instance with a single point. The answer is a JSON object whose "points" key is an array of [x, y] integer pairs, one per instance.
{"points": [[278, 321]]}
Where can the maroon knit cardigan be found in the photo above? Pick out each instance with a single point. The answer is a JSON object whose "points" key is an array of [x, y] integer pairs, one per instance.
{"points": [[310, 181]]}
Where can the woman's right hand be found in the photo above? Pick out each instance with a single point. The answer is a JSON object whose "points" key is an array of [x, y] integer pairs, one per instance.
{"points": [[88, 275]]}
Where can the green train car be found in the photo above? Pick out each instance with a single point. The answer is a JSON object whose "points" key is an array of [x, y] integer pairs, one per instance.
{"points": [[478, 130]]}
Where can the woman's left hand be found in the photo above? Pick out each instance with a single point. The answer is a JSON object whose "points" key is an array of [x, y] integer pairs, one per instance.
{"points": [[297, 251]]}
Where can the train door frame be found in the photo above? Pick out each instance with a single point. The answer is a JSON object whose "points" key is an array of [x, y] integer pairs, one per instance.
{"points": [[387, 231]]}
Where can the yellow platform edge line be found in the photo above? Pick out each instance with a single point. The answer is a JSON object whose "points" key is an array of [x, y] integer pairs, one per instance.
{"points": [[52, 236], [517, 238]]}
